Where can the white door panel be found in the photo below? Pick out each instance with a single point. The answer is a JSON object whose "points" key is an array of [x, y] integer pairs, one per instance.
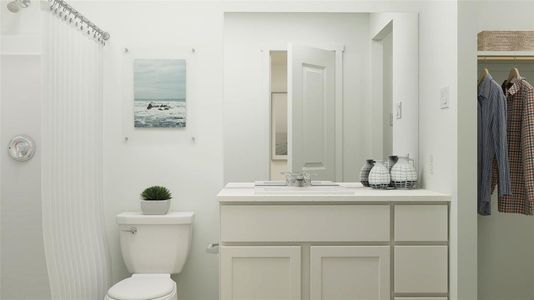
{"points": [[350, 272], [260, 272], [311, 111]]}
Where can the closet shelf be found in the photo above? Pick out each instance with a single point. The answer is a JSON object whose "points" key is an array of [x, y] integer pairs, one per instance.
{"points": [[505, 55]]}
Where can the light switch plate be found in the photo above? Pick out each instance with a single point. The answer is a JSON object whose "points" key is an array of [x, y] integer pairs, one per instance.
{"points": [[398, 110], [444, 98]]}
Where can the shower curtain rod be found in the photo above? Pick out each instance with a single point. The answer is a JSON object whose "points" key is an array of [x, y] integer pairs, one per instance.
{"points": [[64, 11]]}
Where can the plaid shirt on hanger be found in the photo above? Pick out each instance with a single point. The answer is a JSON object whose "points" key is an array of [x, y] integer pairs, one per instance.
{"points": [[520, 99]]}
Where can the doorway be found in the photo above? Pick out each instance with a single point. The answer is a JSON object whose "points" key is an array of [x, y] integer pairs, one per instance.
{"points": [[278, 87]]}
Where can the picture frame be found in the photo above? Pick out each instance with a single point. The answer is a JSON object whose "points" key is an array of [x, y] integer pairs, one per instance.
{"points": [[159, 95]]}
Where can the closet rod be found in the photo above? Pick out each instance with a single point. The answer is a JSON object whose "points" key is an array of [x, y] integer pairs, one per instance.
{"points": [[505, 58]]}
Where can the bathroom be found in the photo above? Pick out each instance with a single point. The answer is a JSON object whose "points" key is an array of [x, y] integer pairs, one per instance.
{"points": [[228, 136]]}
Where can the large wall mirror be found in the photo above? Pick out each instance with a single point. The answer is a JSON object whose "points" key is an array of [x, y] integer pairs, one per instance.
{"points": [[318, 91]]}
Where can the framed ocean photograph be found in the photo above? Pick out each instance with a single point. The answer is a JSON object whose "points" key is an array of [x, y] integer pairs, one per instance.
{"points": [[159, 93]]}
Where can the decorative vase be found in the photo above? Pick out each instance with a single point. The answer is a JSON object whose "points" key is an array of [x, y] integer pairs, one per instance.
{"points": [[404, 174], [155, 207], [379, 177], [364, 172], [392, 160]]}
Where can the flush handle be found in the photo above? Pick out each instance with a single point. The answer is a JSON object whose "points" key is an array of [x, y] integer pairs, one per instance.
{"points": [[130, 229], [213, 248]]}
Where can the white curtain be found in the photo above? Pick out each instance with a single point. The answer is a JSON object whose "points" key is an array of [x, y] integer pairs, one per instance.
{"points": [[73, 227]]}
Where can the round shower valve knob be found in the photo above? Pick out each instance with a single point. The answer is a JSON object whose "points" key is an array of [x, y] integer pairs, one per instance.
{"points": [[21, 148]]}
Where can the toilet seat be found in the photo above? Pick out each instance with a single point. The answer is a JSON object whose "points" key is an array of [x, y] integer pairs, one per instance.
{"points": [[144, 287]]}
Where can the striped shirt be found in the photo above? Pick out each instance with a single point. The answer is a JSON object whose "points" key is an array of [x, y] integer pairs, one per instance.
{"points": [[492, 142]]}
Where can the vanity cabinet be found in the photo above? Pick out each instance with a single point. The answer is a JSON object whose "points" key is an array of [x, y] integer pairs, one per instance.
{"points": [[373, 246]]}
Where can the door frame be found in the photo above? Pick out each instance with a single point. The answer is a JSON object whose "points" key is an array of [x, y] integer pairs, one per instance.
{"points": [[338, 91]]}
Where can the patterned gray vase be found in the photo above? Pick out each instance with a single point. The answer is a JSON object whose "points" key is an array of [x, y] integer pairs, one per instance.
{"points": [[364, 172], [379, 177], [392, 160], [404, 174]]}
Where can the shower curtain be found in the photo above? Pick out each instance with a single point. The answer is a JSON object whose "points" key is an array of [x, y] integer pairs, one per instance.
{"points": [[73, 228]]}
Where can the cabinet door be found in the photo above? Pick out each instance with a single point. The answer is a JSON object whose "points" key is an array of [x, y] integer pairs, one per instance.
{"points": [[259, 272], [350, 272]]}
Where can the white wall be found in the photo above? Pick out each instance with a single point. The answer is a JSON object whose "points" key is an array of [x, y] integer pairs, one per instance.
{"points": [[23, 266], [194, 171], [437, 127], [23, 273], [247, 40], [505, 242]]}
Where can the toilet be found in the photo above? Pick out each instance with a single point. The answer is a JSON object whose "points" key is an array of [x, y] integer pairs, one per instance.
{"points": [[153, 247]]}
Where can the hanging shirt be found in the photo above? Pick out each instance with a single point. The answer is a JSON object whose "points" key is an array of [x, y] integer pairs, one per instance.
{"points": [[492, 142], [520, 103]]}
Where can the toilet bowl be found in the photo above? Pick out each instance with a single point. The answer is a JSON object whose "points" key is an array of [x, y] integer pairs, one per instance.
{"points": [[153, 247], [143, 287]]}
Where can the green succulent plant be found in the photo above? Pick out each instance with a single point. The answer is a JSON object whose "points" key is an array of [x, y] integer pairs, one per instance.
{"points": [[156, 193]]}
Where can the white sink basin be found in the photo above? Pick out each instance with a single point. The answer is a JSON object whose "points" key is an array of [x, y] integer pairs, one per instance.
{"points": [[310, 190]]}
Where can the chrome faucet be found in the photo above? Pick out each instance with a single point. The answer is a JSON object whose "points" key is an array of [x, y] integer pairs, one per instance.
{"points": [[299, 179]]}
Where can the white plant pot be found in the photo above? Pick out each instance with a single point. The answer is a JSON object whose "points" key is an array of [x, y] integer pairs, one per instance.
{"points": [[155, 207]]}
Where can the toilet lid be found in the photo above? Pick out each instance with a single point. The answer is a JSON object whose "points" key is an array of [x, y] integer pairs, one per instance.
{"points": [[142, 287]]}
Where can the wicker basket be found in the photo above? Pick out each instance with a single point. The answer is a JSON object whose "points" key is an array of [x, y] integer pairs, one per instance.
{"points": [[506, 41]]}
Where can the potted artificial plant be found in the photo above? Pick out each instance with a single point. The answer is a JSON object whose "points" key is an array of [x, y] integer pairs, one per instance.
{"points": [[156, 200]]}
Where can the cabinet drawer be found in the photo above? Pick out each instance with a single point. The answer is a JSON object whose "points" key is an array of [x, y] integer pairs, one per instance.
{"points": [[421, 269], [304, 223], [421, 223]]}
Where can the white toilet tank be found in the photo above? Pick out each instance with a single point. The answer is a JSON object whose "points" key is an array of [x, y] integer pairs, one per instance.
{"points": [[155, 243]]}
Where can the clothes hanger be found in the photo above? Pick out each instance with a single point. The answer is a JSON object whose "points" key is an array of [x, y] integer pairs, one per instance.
{"points": [[514, 75], [483, 75]]}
